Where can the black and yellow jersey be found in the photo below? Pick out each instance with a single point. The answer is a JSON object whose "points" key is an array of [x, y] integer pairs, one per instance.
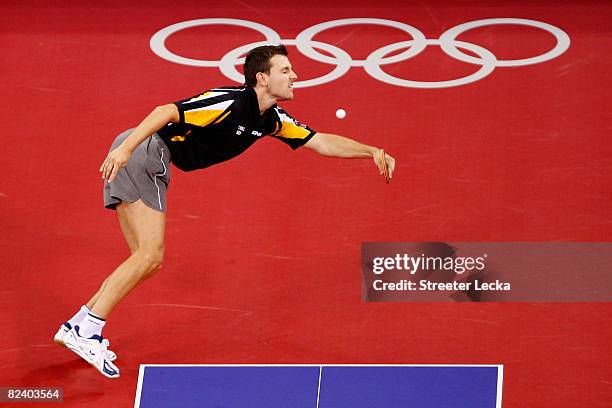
{"points": [[221, 123]]}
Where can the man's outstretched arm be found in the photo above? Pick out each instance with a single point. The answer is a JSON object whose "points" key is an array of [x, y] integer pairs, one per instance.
{"points": [[338, 146]]}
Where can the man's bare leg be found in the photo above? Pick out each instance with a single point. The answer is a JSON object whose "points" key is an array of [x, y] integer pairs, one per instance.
{"points": [[130, 238], [148, 228], [143, 229]]}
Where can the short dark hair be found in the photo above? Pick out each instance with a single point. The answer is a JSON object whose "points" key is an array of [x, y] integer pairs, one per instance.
{"points": [[258, 60]]}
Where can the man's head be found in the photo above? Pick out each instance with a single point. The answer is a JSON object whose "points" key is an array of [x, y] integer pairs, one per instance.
{"points": [[267, 67]]}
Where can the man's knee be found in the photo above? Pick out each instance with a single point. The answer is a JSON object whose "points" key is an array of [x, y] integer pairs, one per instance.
{"points": [[152, 260]]}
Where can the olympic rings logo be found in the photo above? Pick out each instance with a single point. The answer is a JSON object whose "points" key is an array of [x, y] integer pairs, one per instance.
{"points": [[373, 63]]}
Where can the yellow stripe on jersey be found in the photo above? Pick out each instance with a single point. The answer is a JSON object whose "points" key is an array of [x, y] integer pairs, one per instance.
{"points": [[222, 117], [275, 127], [206, 95], [289, 127], [181, 138], [292, 131], [202, 117], [206, 115]]}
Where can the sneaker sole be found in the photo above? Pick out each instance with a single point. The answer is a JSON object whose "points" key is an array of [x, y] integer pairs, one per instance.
{"points": [[59, 342], [76, 350], [79, 353]]}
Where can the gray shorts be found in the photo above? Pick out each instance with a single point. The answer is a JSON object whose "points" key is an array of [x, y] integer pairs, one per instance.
{"points": [[145, 177]]}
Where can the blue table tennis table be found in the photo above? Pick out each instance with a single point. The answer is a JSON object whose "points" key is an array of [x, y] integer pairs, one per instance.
{"points": [[319, 386]]}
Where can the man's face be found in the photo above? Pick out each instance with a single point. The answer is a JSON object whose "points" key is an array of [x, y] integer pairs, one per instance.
{"points": [[280, 80]]}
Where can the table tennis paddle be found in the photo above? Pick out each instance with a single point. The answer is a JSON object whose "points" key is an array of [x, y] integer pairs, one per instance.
{"points": [[384, 166]]}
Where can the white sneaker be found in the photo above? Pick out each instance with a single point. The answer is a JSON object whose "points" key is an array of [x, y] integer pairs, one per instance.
{"points": [[65, 328], [93, 350]]}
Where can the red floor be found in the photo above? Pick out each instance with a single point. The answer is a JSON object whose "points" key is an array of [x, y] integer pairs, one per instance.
{"points": [[263, 252]]}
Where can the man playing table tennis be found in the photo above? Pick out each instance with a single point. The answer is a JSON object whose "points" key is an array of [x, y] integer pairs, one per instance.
{"points": [[194, 133]]}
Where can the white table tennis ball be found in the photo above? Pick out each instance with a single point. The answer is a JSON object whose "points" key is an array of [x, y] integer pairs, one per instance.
{"points": [[340, 113]]}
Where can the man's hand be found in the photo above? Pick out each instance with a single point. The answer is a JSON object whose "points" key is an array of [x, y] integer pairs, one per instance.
{"points": [[379, 163], [118, 158], [330, 145], [115, 161]]}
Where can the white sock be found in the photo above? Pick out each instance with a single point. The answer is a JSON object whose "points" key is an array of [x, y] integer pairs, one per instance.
{"points": [[76, 319], [91, 325]]}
